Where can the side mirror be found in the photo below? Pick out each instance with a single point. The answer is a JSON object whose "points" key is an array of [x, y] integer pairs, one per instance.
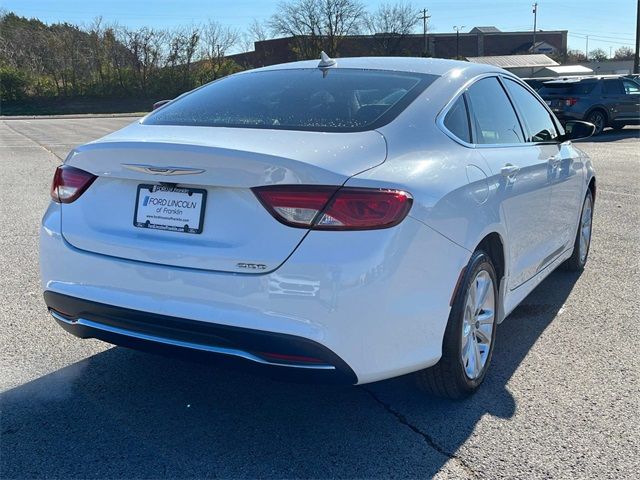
{"points": [[575, 129], [157, 105]]}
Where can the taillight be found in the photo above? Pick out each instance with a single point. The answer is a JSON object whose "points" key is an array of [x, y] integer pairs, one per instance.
{"points": [[570, 102], [69, 183], [334, 208]]}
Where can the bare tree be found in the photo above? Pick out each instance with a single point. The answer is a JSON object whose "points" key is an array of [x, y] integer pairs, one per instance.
{"points": [[575, 56], [391, 23], [599, 55], [256, 32], [183, 44], [623, 53], [98, 54], [217, 39], [317, 24], [118, 55], [145, 46]]}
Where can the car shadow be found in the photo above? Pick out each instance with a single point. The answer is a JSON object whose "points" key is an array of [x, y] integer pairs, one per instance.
{"points": [[611, 135], [125, 414]]}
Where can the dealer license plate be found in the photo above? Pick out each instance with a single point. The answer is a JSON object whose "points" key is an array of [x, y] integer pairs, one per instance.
{"points": [[176, 209]]}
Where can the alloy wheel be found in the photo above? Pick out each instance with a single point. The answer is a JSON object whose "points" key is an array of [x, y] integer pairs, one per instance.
{"points": [[585, 228], [478, 324], [598, 120]]}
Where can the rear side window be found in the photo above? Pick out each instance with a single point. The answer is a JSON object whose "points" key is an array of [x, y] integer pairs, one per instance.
{"points": [[631, 87], [568, 88], [337, 100], [540, 126], [492, 113], [612, 86], [457, 120]]}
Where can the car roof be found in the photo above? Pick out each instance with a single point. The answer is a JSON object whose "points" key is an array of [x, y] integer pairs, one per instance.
{"points": [[433, 66], [593, 78]]}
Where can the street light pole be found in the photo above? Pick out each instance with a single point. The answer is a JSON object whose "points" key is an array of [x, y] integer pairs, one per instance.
{"points": [[535, 21], [457, 29]]}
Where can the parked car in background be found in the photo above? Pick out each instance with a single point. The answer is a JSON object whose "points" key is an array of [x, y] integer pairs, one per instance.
{"points": [[538, 83], [348, 221], [607, 101]]}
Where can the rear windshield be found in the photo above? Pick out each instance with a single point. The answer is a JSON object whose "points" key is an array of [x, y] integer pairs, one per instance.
{"points": [[573, 88], [342, 100]]}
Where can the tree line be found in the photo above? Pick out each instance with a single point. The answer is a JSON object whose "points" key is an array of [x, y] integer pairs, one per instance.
{"points": [[110, 60]]}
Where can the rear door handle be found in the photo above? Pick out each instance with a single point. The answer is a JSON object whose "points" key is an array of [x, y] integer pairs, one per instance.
{"points": [[509, 170]]}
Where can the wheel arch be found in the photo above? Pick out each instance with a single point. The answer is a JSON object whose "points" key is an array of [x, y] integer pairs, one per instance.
{"points": [[493, 245]]}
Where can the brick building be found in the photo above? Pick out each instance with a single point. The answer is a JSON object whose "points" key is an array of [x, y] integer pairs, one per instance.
{"points": [[479, 42]]}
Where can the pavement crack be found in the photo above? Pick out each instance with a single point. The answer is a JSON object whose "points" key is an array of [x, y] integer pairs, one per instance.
{"points": [[428, 439], [41, 145]]}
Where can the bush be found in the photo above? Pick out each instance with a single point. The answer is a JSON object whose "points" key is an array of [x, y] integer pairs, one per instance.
{"points": [[14, 84]]}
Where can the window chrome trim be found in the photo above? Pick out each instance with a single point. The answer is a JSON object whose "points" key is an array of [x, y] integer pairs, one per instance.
{"points": [[462, 90], [503, 80], [179, 343]]}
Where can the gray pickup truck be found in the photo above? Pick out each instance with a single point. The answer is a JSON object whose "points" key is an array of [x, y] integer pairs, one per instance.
{"points": [[605, 101]]}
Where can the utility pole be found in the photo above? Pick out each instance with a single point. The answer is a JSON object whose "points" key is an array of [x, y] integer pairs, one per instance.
{"points": [[535, 21], [636, 57], [424, 18], [457, 29], [586, 50]]}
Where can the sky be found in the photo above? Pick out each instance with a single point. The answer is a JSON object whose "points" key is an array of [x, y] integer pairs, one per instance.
{"points": [[609, 23]]}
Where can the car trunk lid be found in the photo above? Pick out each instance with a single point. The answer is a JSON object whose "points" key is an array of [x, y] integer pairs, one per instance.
{"points": [[237, 233]]}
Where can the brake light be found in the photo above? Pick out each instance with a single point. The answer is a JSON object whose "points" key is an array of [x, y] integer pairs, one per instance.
{"points": [[570, 102], [69, 183], [334, 208]]}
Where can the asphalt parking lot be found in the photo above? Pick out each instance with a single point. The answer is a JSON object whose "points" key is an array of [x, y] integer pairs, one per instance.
{"points": [[562, 399]]}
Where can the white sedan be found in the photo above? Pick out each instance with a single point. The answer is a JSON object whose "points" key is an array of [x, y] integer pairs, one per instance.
{"points": [[345, 221]]}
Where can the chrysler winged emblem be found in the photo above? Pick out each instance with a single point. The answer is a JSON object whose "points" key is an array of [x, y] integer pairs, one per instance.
{"points": [[153, 170]]}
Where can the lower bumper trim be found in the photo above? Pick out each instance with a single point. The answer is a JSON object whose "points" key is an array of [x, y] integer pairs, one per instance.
{"points": [[178, 343], [234, 346]]}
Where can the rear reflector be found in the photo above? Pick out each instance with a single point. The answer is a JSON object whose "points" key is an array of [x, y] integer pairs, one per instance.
{"points": [[69, 183], [289, 358], [334, 208], [570, 102]]}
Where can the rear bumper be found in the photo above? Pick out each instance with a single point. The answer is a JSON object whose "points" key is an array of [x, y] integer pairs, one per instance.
{"points": [[279, 355], [378, 300], [565, 116]]}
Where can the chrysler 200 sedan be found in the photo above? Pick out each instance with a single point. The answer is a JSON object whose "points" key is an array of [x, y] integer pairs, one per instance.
{"points": [[343, 221]]}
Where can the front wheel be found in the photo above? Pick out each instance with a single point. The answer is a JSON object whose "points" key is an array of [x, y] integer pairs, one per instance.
{"points": [[470, 334], [582, 242]]}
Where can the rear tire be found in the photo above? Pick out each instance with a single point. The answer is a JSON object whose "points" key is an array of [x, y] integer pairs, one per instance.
{"points": [[581, 245], [469, 338], [599, 119]]}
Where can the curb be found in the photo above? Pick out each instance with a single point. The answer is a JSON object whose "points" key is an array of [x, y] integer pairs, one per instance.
{"points": [[73, 116]]}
